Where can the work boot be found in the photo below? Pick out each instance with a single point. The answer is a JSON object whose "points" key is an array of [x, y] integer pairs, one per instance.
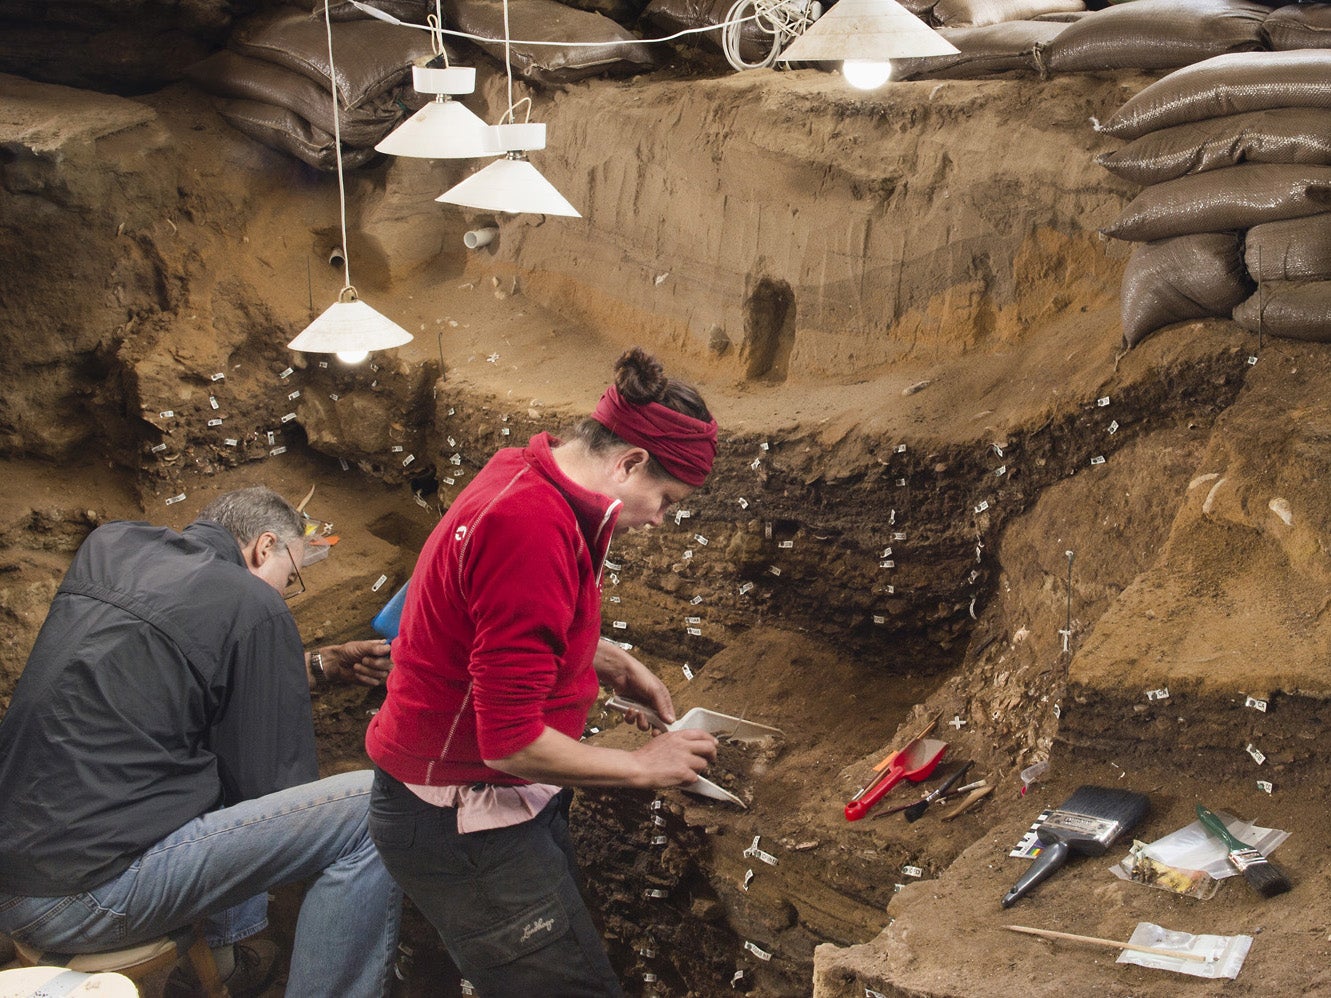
{"points": [[256, 966]]}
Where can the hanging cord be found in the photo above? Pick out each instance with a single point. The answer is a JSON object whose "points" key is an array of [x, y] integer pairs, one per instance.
{"points": [[508, 62], [337, 150], [375, 12]]}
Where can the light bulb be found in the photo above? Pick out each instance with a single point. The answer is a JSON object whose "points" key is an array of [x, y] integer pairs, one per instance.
{"points": [[866, 74], [352, 356]]}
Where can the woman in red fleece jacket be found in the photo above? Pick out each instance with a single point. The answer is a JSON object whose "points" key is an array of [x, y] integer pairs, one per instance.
{"points": [[495, 667]]}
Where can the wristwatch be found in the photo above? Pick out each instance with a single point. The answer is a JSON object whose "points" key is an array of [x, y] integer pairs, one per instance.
{"points": [[317, 667]]}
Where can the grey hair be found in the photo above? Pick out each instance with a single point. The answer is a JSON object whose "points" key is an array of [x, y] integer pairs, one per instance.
{"points": [[247, 513]]}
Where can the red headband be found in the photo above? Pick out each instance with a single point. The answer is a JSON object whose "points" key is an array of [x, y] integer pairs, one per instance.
{"points": [[685, 447]]}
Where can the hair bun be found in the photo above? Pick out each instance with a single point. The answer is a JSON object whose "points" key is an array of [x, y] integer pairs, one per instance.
{"points": [[640, 377]]}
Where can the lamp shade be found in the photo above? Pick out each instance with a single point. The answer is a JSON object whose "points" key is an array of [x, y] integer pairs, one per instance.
{"points": [[442, 129], [873, 30], [351, 327], [512, 185]]}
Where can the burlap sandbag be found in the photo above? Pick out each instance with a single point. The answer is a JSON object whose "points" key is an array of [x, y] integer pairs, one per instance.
{"points": [[371, 56], [1296, 310], [1299, 26], [1296, 249], [1189, 277], [411, 11], [1235, 198], [1227, 84], [618, 54], [1157, 34], [995, 48], [978, 13], [1284, 135], [671, 16], [230, 74], [284, 130]]}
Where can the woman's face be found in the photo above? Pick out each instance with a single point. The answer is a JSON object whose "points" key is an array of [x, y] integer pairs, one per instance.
{"points": [[646, 496]]}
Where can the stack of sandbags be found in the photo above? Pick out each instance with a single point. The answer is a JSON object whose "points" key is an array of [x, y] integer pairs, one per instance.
{"points": [[983, 51], [978, 13], [274, 83], [1236, 153], [1157, 34], [1299, 26]]}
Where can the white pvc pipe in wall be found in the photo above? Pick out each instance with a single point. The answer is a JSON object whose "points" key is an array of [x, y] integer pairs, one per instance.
{"points": [[476, 238]]}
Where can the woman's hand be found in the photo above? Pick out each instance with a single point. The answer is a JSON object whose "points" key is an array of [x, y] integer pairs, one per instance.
{"points": [[675, 759], [628, 677]]}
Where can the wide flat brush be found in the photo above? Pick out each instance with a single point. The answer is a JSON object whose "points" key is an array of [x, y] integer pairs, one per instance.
{"points": [[1262, 875]]}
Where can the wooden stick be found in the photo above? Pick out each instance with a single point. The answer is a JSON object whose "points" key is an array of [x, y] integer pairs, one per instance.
{"points": [[975, 796], [887, 759], [1113, 943]]}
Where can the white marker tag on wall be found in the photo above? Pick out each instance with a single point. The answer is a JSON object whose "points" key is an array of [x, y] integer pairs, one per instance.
{"points": [[451, 410], [288, 417], [785, 544], [323, 364], [613, 566], [649, 978], [504, 431], [1255, 704], [620, 625], [408, 459], [175, 499], [1256, 754], [1058, 712], [700, 539], [214, 422], [688, 553], [682, 514], [218, 376], [774, 570], [158, 448], [395, 449], [688, 673], [761, 954], [658, 821], [998, 449], [764, 447], [343, 461], [984, 504], [656, 892], [647, 951], [452, 442], [912, 871], [1102, 401], [755, 852], [231, 442], [743, 503], [657, 804], [887, 553], [167, 414], [697, 600], [901, 448], [746, 588], [1265, 786], [878, 618], [287, 373], [212, 401], [378, 583], [1252, 361], [756, 464], [294, 395], [693, 620], [901, 483], [334, 396], [694, 632], [887, 563], [871, 993], [455, 460], [448, 481], [276, 451], [890, 590], [1113, 427], [615, 599], [1160, 694], [614, 579], [1098, 459], [748, 878], [1000, 472], [736, 977]]}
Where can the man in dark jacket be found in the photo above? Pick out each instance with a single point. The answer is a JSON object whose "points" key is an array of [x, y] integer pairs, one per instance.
{"points": [[157, 761]]}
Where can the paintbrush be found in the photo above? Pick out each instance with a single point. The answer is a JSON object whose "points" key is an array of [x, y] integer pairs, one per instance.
{"points": [[1086, 823], [916, 810], [1262, 875]]}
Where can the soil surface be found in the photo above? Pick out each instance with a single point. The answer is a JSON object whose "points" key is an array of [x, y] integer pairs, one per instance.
{"points": [[939, 492]]}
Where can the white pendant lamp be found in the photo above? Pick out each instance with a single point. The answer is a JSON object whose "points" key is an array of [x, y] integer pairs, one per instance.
{"points": [[350, 329], [868, 34], [511, 184], [443, 128]]}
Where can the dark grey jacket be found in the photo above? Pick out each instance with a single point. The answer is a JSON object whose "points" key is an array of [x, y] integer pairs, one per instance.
{"points": [[167, 681]]}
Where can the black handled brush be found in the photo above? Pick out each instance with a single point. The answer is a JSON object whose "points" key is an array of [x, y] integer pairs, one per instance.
{"points": [[1087, 823], [916, 810], [1262, 875]]}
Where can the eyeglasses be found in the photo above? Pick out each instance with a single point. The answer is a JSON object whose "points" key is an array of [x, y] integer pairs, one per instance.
{"points": [[295, 584]]}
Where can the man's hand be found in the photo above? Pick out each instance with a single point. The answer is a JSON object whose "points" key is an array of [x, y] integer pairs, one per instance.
{"points": [[364, 662], [628, 677]]}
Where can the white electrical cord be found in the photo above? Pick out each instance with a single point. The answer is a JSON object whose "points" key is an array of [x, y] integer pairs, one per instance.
{"points": [[337, 148]]}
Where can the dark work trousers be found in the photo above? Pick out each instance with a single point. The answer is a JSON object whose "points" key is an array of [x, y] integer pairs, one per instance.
{"points": [[505, 901]]}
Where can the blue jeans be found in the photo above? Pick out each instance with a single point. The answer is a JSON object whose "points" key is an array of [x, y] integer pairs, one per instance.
{"points": [[505, 900], [222, 863]]}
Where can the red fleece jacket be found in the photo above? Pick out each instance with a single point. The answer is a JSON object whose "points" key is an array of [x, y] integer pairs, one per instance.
{"points": [[500, 624]]}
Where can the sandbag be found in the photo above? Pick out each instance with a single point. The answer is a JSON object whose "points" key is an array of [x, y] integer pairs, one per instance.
{"points": [[978, 13], [1296, 249], [1284, 135], [284, 130], [1188, 277], [994, 48], [619, 54], [371, 56], [411, 11], [1227, 84], [1235, 198], [1296, 310], [1157, 34], [230, 74], [1299, 26], [671, 16]]}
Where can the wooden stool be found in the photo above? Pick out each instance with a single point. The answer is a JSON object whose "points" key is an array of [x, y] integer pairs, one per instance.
{"points": [[137, 962]]}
